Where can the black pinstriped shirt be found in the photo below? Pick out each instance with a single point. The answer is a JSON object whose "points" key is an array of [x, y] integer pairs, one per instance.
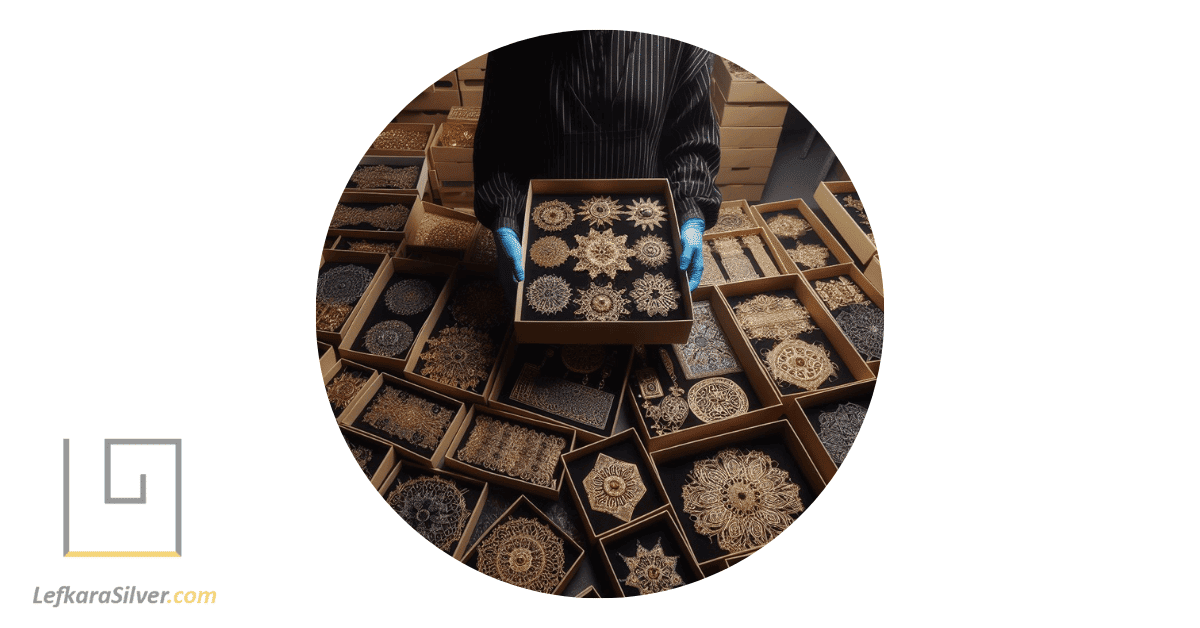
{"points": [[596, 105]]}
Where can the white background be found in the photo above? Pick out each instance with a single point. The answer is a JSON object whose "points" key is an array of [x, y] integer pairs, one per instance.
{"points": [[100, 527], [1029, 169]]}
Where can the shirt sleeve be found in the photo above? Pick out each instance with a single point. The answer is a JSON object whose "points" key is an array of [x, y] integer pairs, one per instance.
{"points": [[501, 159], [691, 143]]}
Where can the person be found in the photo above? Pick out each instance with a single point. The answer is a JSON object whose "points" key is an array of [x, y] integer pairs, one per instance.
{"points": [[596, 105]]}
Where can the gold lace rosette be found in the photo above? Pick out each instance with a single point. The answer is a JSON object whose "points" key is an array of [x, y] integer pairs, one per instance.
{"points": [[601, 211], [651, 571], [553, 215], [800, 364], [647, 214], [602, 253], [742, 499], [434, 507], [524, 552], [460, 357], [614, 487]]}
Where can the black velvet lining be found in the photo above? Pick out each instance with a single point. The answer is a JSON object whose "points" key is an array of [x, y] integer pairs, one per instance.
{"points": [[674, 476], [570, 553], [366, 226], [841, 374], [810, 237], [814, 412], [554, 369], [446, 319], [749, 256], [648, 537], [625, 451], [426, 452], [471, 492], [379, 312], [581, 280], [654, 360], [351, 369], [590, 574], [501, 497], [328, 266], [378, 450], [835, 313]]}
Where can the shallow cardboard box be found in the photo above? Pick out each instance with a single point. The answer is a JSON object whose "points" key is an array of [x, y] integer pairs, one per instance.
{"points": [[836, 341], [750, 193], [352, 420], [457, 549], [380, 451], [763, 214], [600, 332], [742, 89], [764, 235], [382, 198], [827, 197], [435, 98], [748, 157], [582, 434], [804, 426], [338, 367], [391, 239], [328, 356], [860, 280], [523, 507], [726, 217], [874, 274], [418, 188], [411, 126], [597, 524], [456, 154], [374, 261], [779, 431], [745, 175], [746, 114], [471, 91], [375, 293], [750, 136], [663, 519], [420, 212], [764, 390], [465, 427]]}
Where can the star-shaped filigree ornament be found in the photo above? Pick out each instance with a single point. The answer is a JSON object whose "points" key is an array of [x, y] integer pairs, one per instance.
{"points": [[651, 571], [601, 303], [646, 213], [614, 487], [654, 294], [602, 253], [600, 211]]}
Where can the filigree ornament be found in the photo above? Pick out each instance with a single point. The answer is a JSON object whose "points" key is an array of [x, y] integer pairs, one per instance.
{"points": [[647, 213], [761, 257], [652, 251], [737, 265], [513, 450], [389, 338], [485, 247], [712, 272], [408, 417], [731, 218], [409, 296], [343, 387], [654, 294], [458, 134], [839, 428], [548, 294], [524, 552], [670, 413], [707, 353], [742, 499], [372, 246], [331, 316], [362, 456], [614, 487], [602, 253], [383, 176], [839, 292], [800, 364], [479, 304], [343, 284], [435, 507], [583, 358], [444, 233], [809, 255], [385, 217], [788, 226], [852, 203], [562, 398], [549, 252], [651, 571], [648, 383], [600, 211], [863, 325], [459, 357], [717, 398], [401, 139], [768, 316], [601, 303], [553, 215]]}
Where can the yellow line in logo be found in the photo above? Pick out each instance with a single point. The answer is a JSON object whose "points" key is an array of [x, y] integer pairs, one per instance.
{"points": [[122, 555]]}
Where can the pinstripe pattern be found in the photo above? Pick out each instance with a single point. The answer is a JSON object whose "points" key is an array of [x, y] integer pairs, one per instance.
{"points": [[596, 105]]}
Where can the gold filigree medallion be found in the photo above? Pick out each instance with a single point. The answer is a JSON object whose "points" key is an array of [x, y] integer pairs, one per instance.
{"points": [[809, 255], [651, 571], [600, 211], [800, 364], [459, 357], [788, 226], [654, 294], [614, 487], [602, 253], [742, 499], [548, 294], [549, 252], [601, 303], [717, 398], [524, 552], [652, 251], [647, 214], [388, 338], [839, 292], [553, 215], [409, 296], [435, 507]]}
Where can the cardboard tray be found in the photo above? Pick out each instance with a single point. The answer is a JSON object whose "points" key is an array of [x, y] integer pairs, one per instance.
{"points": [[827, 198], [414, 242], [819, 232], [663, 526], [395, 152], [430, 458], [383, 458], [374, 261], [419, 187], [625, 447], [458, 154], [522, 507], [468, 424], [374, 198], [476, 497], [798, 411], [873, 295]]}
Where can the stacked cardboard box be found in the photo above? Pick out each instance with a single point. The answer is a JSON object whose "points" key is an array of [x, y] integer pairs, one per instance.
{"points": [[470, 81], [451, 155], [434, 104], [751, 117]]}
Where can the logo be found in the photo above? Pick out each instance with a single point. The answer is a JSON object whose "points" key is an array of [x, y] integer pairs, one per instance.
{"points": [[124, 516]]}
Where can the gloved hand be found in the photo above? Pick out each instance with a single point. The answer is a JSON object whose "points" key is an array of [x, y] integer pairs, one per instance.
{"points": [[692, 259], [511, 247]]}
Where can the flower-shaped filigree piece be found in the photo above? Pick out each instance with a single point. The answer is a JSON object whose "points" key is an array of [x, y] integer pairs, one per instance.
{"points": [[614, 487], [600, 211], [460, 357], [651, 571], [863, 325], [343, 387], [602, 253], [647, 213], [654, 294], [788, 226], [548, 294], [553, 215], [717, 398], [343, 284], [524, 552], [652, 251], [388, 338], [740, 498], [409, 296], [601, 303], [434, 507], [809, 255], [800, 364], [549, 251]]}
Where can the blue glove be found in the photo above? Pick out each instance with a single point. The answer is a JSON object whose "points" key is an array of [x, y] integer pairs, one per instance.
{"points": [[692, 236], [512, 250]]}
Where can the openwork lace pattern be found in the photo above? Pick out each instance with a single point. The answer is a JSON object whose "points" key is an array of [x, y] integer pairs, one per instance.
{"points": [[513, 450], [800, 364], [761, 257], [383, 176], [435, 507], [652, 251], [331, 316], [788, 226], [549, 252], [768, 316], [459, 357], [614, 487], [717, 398], [401, 139], [548, 294], [409, 296], [389, 338], [707, 353], [601, 303], [863, 325], [601, 211], [562, 398], [553, 215], [839, 428], [809, 255], [737, 266], [654, 294], [602, 253], [839, 292], [651, 571], [731, 218], [343, 387], [386, 217], [647, 214], [712, 273], [444, 233], [524, 552], [343, 284], [742, 499], [408, 417]]}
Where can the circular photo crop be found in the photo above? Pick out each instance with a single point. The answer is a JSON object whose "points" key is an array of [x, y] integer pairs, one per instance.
{"points": [[599, 314]]}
